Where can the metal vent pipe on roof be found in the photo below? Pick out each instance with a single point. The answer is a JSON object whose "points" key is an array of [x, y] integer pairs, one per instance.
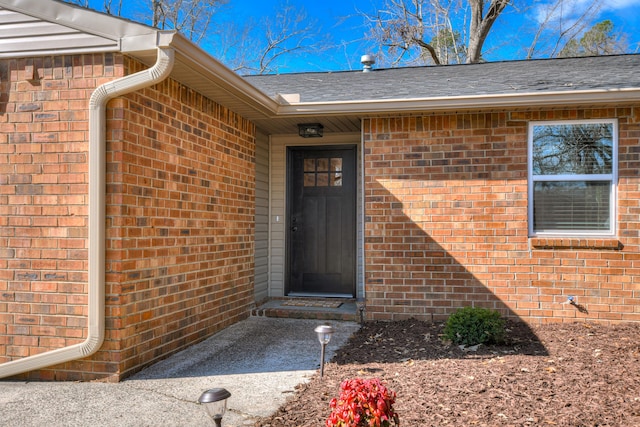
{"points": [[367, 61]]}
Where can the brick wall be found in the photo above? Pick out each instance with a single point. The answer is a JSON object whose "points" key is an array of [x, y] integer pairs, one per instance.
{"points": [[446, 223], [181, 197], [180, 206], [43, 199]]}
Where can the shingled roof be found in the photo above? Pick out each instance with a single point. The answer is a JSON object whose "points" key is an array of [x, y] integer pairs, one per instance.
{"points": [[491, 78]]}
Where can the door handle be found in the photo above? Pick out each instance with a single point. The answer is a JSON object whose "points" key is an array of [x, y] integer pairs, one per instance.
{"points": [[294, 228]]}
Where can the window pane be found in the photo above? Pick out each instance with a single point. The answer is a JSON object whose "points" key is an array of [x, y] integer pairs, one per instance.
{"points": [[309, 165], [310, 179], [573, 149], [336, 180], [323, 165], [336, 165], [323, 180], [574, 205]]}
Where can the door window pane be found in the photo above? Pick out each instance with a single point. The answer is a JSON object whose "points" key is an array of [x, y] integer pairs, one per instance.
{"points": [[323, 172], [322, 179], [310, 179], [322, 165], [309, 165]]}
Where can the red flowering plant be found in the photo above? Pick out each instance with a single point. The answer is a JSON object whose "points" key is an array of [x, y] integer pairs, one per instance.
{"points": [[363, 403]]}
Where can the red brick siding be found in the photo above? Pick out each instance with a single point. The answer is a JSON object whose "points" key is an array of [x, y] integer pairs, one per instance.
{"points": [[43, 199], [181, 192], [446, 223], [180, 208]]}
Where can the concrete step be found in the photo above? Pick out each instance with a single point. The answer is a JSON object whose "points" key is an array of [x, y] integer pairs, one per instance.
{"points": [[309, 308]]}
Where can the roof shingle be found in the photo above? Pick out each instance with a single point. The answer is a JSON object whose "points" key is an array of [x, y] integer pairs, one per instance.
{"points": [[491, 78]]}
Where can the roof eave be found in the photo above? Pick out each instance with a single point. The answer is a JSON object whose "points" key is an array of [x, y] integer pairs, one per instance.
{"points": [[203, 63], [440, 104]]}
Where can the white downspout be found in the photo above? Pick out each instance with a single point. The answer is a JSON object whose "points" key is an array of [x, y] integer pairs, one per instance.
{"points": [[97, 188]]}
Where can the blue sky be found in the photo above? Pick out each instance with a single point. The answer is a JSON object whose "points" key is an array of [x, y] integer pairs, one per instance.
{"points": [[339, 20]]}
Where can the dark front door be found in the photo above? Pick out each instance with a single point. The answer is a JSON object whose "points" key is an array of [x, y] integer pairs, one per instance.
{"points": [[321, 221]]}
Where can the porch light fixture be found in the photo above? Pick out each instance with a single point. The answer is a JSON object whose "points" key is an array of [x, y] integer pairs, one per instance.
{"points": [[324, 336], [215, 402], [310, 130]]}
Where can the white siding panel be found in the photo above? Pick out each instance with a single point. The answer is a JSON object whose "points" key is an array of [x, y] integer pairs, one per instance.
{"points": [[58, 43], [8, 16], [22, 33], [261, 256], [33, 29]]}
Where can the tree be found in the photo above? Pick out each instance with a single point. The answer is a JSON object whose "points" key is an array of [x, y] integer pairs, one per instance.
{"points": [[449, 46], [481, 24], [413, 31], [599, 40], [190, 17], [419, 32], [558, 22], [113, 9], [267, 46], [249, 48]]}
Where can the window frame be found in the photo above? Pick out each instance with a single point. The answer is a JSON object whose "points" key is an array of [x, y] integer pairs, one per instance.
{"points": [[612, 178]]}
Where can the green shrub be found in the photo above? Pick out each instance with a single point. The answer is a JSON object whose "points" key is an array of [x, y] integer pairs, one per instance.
{"points": [[474, 325]]}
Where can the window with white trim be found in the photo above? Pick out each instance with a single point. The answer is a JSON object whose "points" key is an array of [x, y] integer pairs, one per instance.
{"points": [[572, 177]]}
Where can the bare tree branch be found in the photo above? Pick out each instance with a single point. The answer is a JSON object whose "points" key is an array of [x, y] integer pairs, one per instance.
{"points": [[558, 23], [267, 47], [422, 31], [481, 25], [111, 9], [191, 17]]}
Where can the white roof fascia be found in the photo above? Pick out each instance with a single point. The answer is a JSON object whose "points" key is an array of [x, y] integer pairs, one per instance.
{"points": [[224, 77], [548, 99]]}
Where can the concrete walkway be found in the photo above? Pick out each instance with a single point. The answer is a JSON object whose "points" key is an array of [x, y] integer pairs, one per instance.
{"points": [[259, 360]]}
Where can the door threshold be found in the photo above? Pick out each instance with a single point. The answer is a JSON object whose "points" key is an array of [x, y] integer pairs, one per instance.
{"points": [[317, 295]]}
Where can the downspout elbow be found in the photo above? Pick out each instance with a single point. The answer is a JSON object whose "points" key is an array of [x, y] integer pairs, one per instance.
{"points": [[97, 217]]}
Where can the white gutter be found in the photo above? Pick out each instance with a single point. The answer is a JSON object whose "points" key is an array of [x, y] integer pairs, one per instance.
{"points": [[453, 103], [97, 188]]}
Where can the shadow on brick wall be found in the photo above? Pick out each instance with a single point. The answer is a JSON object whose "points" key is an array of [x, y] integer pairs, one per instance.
{"points": [[432, 250]]}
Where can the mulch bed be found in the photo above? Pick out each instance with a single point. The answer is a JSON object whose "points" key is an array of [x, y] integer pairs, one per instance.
{"points": [[569, 374]]}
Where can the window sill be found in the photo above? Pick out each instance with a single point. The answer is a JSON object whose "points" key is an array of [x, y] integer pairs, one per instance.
{"points": [[610, 244]]}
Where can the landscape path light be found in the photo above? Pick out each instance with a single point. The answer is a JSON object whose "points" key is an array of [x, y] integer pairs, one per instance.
{"points": [[324, 336], [215, 402]]}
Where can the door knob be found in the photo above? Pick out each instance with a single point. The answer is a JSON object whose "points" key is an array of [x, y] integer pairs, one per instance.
{"points": [[294, 228]]}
